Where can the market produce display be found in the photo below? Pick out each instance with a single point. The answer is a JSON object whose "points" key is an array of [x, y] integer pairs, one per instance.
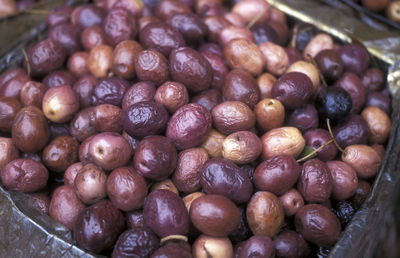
{"points": [[180, 128]]}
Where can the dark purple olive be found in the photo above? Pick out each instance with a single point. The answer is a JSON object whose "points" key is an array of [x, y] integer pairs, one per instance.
{"points": [[60, 153], [155, 157], [140, 91], [59, 78], [84, 89], [277, 174], [151, 65], [9, 151], [136, 242], [87, 15], [293, 89], [9, 108], [81, 126], [315, 182], [67, 35], [189, 126], [160, 37], [242, 231], [355, 58], [380, 100], [190, 68], [334, 103], [290, 244], [190, 26], [362, 192], [98, 226], [316, 138], [318, 225], [110, 91], [173, 249], [219, 69], [351, 83], [304, 33], [12, 88], [208, 99], [223, 177], [60, 14], [354, 130], [165, 213], [345, 211], [373, 79], [304, 118], [145, 118], [107, 118], [134, 219], [264, 33], [119, 25], [330, 65], [256, 246]]}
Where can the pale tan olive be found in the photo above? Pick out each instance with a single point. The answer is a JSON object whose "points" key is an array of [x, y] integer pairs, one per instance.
{"points": [[166, 184], [253, 8], [100, 61], [393, 10], [213, 143], [270, 114], [241, 147], [379, 124], [276, 58], [318, 43], [265, 214], [215, 247], [265, 83], [188, 199], [363, 158], [282, 140], [308, 69]]}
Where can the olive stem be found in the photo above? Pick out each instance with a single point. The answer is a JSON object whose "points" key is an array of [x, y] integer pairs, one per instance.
{"points": [[328, 123], [255, 19], [36, 11], [28, 67], [173, 237], [315, 151]]}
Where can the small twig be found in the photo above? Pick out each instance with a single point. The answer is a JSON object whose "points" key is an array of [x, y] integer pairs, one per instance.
{"points": [[36, 11], [328, 123], [174, 237], [315, 151], [255, 19], [28, 66]]}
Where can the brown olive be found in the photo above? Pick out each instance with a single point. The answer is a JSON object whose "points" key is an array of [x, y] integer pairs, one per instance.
{"points": [[32, 93], [9, 151], [166, 184], [291, 244], [213, 143], [315, 182], [81, 126], [208, 98], [119, 25], [318, 43], [65, 206], [30, 131], [123, 60], [291, 201], [270, 114], [214, 215], [140, 91], [126, 188], [216, 247], [308, 69], [93, 36], [188, 170], [8, 7], [362, 192], [354, 86], [364, 159], [60, 153], [276, 58], [318, 225], [84, 89], [90, 184], [172, 95], [99, 61], [9, 108], [77, 63], [256, 246], [282, 140], [24, 175], [265, 214], [107, 118], [344, 179], [215, 25], [379, 124], [137, 241], [168, 8], [232, 32], [60, 104], [188, 199], [232, 116], [151, 65], [241, 147], [71, 172]]}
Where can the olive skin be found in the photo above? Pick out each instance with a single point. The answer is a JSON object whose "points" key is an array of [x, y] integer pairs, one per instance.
{"points": [[190, 68], [282, 141], [223, 177], [190, 26], [81, 126], [139, 242], [9, 151], [65, 206], [214, 215], [107, 118], [315, 182], [67, 35], [87, 15], [330, 64], [32, 93], [351, 83], [9, 108], [90, 184], [355, 58], [173, 249], [155, 158], [334, 103], [140, 91], [84, 89], [165, 213], [24, 175], [126, 188], [124, 55], [30, 131], [241, 147], [291, 244], [189, 126], [373, 79], [172, 95], [277, 174], [152, 66], [265, 214], [291, 201], [344, 179], [353, 130], [318, 137], [217, 247], [60, 153], [364, 159], [256, 246], [318, 225], [119, 25], [110, 91], [60, 104], [98, 226], [145, 118]]}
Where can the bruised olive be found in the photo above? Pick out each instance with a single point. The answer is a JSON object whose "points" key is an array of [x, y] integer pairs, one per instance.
{"points": [[290, 244], [24, 175], [189, 126], [241, 147], [277, 174], [334, 103], [291, 201], [165, 213], [65, 206], [126, 188], [282, 141], [155, 157], [98, 226], [9, 151], [139, 241], [151, 65], [363, 158], [119, 25], [145, 118], [190, 68], [218, 247], [9, 108], [172, 95], [30, 131], [220, 176], [232, 116], [90, 184], [214, 215], [134, 219], [124, 55], [379, 124], [140, 91], [60, 153], [265, 214], [318, 225], [110, 91], [188, 170], [344, 179], [84, 156], [60, 104], [315, 182], [213, 143], [256, 246]]}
